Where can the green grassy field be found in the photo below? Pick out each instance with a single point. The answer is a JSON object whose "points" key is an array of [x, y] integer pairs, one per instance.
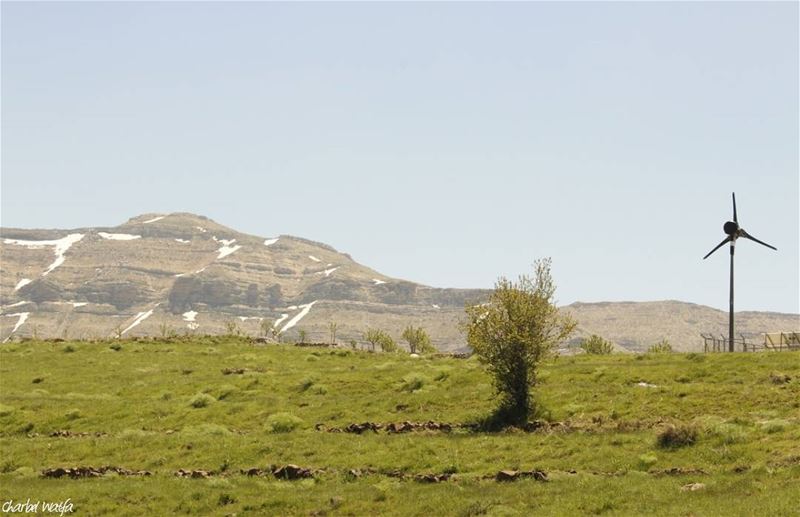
{"points": [[162, 406]]}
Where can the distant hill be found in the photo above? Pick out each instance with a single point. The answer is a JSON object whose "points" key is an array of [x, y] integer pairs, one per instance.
{"points": [[186, 273]]}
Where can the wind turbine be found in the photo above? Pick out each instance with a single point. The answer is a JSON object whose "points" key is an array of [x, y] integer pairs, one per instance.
{"points": [[734, 231]]}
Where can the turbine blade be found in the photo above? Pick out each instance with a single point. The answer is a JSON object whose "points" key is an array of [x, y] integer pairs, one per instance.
{"points": [[748, 236], [721, 244], [735, 220]]}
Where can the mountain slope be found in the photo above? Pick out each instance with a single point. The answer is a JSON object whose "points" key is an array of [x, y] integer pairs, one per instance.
{"points": [[186, 273]]}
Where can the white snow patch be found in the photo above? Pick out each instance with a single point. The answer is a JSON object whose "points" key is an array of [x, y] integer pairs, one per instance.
{"points": [[118, 236], [179, 275], [189, 315], [139, 318], [377, 281], [646, 385], [22, 283], [13, 305], [300, 315], [280, 320], [193, 326], [328, 272], [182, 241], [78, 304], [413, 356], [61, 247], [292, 308], [22, 317], [202, 230], [245, 318], [315, 259], [436, 306], [154, 219], [199, 271], [270, 242], [227, 250]]}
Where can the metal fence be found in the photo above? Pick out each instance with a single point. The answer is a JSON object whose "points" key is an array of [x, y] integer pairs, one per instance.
{"points": [[769, 341]]}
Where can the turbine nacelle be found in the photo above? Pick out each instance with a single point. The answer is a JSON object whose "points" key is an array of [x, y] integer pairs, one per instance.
{"points": [[734, 231]]}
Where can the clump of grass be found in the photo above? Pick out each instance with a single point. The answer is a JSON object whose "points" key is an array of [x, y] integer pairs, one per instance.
{"points": [[697, 358], [207, 430], [779, 378], [647, 460], [728, 433], [305, 384], [319, 389], [115, 347], [72, 414], [774, 426], [413, 382], [5, 410], [37, 380], [676, 436], [225, 391], [201, 400], [69, 349], [312, 358], [283, 422]]}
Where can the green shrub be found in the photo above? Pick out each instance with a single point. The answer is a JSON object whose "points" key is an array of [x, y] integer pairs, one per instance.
{"points": [[283, 423], [116, 347], [69, 349], [596, 345], [675, 436], [662, 347], [201, 400]]}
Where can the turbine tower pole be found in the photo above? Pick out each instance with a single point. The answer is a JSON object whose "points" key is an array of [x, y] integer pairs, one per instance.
{"points": [[730, 313]]}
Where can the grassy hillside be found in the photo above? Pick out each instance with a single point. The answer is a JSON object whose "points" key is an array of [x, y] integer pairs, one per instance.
{"points": [[223, 405]]}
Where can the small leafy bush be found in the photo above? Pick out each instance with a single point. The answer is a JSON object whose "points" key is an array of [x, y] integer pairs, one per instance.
{"points": [[676, 436], [595, 345]]}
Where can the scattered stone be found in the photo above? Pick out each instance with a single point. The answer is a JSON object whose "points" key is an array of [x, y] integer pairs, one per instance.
{"points": [[255, 472], [291, 472], [194, 474], [679, 471], [513, 475], [361, 428], [84, 472], [63, 433], [432, 478], [693, 487], [231, 371]]}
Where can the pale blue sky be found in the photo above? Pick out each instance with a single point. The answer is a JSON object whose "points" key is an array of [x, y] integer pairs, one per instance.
{"points": [[445, 143]]}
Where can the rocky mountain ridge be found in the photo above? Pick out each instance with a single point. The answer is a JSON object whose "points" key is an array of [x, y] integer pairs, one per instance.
{"points": [[161, 273]]}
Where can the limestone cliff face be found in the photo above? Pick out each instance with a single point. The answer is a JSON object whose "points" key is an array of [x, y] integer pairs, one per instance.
{"points": [[186, 273]]}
